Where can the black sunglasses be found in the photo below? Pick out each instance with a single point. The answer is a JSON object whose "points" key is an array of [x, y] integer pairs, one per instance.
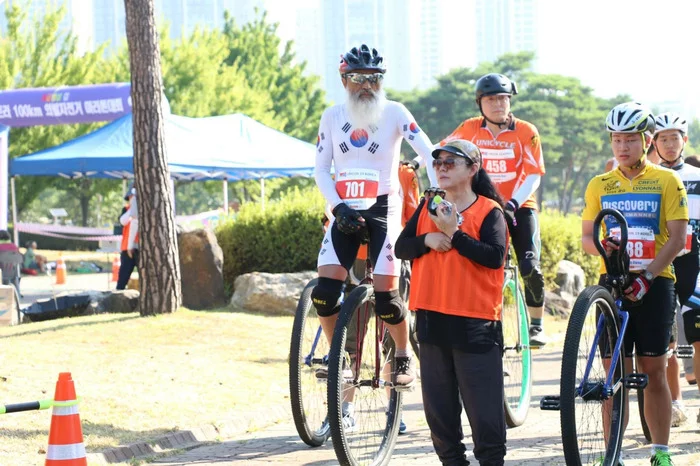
{"points": [[449, 163]]}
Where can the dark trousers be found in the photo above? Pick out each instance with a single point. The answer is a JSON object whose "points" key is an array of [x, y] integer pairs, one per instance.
{"points": [[447, 373], [126, 267]]}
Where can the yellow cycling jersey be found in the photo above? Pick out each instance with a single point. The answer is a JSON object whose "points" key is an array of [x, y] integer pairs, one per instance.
{"points": [[648, 201]]}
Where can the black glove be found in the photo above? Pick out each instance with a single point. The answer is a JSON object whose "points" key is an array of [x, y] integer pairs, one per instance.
{"points": [[411, 163], [349, 220], [509, 212]]}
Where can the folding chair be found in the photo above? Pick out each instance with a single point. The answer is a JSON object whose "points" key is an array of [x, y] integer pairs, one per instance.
{"points": [[10, 262]]}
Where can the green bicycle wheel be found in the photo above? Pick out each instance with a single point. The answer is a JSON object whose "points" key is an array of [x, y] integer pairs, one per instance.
{"points": [[517, 357]]}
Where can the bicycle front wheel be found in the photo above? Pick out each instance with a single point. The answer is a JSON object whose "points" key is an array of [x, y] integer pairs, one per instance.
{"points": [[517, 357], [308, 352], [585, 415], [364, 415]]}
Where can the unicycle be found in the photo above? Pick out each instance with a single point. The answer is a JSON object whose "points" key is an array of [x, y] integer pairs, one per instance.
{"points": [[517, 355], [308, 352], [367, 433], [593, 396]]}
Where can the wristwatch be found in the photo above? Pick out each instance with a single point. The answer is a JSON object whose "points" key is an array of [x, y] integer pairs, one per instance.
{"points": [[648, 275]]}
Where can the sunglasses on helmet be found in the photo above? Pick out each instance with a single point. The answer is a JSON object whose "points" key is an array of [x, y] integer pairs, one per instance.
{"points": [[358, 78]]}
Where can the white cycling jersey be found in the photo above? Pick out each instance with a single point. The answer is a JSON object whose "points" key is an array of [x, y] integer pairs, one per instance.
{"points": [[365, 160], [690, 176]]}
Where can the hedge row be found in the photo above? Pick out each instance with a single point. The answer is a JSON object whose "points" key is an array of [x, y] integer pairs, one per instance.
{"points": [[286, 237]]}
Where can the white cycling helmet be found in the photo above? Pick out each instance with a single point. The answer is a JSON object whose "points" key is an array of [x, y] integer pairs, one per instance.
{"points": [[630, 117], [668, 121]]}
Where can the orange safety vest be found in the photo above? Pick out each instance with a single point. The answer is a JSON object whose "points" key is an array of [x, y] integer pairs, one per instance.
{"points": [[448, 282], [125, 235]]}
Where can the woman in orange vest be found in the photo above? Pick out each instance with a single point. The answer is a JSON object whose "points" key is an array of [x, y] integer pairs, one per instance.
{"points": [[458, 256], [129, 257]]}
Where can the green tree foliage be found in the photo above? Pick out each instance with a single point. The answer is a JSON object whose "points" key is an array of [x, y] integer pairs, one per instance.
{"points": [[298, 101], [569, 117], [693, 145], [36, 53]]}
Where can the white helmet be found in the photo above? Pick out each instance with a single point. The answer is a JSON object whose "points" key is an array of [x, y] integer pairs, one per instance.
{"points": [[630, 117], [668, 121]]}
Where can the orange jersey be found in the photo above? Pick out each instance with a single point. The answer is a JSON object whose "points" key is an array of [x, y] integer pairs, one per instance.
{"points": [[509, 157], [410, 192]]}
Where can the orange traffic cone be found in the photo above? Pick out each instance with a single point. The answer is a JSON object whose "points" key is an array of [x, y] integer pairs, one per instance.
{"points": [[60, 271], [116, 264], [66, 447]]}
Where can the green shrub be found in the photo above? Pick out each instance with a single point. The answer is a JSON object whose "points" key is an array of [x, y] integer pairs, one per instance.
{"points": [[561, 239], [285, 237]]}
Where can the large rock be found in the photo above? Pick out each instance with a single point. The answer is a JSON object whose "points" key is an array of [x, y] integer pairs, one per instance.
{"points": [[201, 265], [570, 278], [558, 305], [120, 302], [275, 293]]}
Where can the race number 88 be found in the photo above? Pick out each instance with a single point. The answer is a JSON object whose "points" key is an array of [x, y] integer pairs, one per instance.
{"points": [[354, 189], [635, 249]]}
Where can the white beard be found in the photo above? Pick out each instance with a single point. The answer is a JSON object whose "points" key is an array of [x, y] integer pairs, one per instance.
{"points": [[364, 113]]}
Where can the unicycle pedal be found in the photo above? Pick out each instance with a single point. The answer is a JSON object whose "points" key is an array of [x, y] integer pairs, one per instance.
{"points": [[549, 403], [636, 381], [685, 351]]}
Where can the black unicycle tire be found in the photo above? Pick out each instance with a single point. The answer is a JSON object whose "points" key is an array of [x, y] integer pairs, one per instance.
{"points": [[359, 297], [569, 382], [307, 433]]}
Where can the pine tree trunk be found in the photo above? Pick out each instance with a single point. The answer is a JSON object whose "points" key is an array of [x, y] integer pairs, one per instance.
{"points": [[159, 266]]}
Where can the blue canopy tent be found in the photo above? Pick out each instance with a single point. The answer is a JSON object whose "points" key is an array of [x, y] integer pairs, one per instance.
{"points": [[232, 147], [228, 147]]}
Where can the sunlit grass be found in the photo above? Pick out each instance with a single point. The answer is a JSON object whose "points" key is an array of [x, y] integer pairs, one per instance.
{"points": [[140, 377]]}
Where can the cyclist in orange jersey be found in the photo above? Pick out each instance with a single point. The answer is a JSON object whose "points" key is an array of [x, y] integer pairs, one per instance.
{"points": [[512, 155]]}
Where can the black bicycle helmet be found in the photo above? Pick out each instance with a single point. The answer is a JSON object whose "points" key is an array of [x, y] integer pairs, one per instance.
{"points": [[494, 83], [361, 59]]}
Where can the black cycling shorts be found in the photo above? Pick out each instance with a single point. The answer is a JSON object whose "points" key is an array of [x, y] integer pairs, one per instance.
{"points": [[383, 220], [686, 268], [691, 325], [526, 242], [650, 322]]}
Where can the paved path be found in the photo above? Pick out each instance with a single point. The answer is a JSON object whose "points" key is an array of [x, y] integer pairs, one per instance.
{"points": [[536, 443]]}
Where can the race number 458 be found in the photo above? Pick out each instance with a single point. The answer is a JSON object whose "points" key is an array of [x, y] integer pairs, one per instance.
{"points": [[496, 166]]}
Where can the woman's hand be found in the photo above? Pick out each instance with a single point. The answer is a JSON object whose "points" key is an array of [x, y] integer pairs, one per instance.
{"points": [[438, 242], [445, 220]]}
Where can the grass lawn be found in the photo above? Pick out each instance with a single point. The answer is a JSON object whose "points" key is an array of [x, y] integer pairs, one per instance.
{"points": [[139, 378]]}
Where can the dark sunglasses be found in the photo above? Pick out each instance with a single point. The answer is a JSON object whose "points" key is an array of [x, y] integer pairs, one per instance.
{"points": [[448, 163], [363, 78]]}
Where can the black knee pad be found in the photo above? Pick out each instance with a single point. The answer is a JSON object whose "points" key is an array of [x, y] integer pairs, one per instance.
{"points": [[390, 307], [534, 282], [326, 296]]}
